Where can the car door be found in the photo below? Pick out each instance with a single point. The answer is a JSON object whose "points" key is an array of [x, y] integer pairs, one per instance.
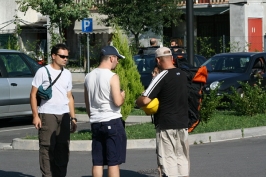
{"points": [[19, 78], [4, 92], [258, 65]]}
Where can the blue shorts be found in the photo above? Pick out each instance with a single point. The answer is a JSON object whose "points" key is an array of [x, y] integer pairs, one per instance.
{"points": [[109, 143]]}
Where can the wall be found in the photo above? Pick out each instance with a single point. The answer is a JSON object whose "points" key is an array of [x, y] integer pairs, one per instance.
{"points": [[239, 14], [7, 12], [238, 25]]}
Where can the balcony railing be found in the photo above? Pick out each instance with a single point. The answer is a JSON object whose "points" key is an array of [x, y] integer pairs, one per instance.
{"points": [[206, 2], [182, 2]]}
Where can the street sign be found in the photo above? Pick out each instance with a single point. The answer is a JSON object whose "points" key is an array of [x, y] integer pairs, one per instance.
{"points": [[87, 25]]}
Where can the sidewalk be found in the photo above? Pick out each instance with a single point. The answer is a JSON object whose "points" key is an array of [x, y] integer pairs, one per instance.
{"points": [[85, 145]]}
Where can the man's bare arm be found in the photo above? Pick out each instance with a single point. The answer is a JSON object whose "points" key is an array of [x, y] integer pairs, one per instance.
{"points": [[71, 104], [142, 101], [36, 121], [86, 100], [118, 95]]}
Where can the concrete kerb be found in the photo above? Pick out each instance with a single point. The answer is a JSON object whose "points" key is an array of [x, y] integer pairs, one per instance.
{"points": [[85, 145]]}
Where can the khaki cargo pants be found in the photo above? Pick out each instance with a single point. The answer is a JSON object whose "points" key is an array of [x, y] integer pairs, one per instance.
{"points": [[54, 137]]}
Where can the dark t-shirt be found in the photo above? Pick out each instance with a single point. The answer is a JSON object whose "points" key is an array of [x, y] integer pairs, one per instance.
{"points": [[170, 87]]}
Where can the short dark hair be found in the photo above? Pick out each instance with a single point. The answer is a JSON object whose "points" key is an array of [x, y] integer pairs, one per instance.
{"points": [[56, 47], [174, 40], [153, 41], [104, 57]]}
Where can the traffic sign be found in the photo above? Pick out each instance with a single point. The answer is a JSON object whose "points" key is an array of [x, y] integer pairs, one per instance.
{"points": [[87, 25]]}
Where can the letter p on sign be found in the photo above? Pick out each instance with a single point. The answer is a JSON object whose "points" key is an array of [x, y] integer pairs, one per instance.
{"points": [[87, 25]]}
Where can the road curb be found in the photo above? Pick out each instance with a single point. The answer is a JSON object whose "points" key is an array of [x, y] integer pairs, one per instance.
{"points": [[85, 145]]}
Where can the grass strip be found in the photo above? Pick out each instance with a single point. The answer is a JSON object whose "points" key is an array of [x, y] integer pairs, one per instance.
{"points": [[222, 120]]}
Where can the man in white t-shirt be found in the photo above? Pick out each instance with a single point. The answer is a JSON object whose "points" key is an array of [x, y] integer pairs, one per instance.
{"points": [[52, 118], [104, 99]]}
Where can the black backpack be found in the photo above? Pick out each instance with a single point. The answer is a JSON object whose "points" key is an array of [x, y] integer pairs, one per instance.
{"points": [[197, 77]]}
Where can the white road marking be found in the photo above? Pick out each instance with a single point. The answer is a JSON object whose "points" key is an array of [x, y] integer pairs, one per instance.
{"points": [[9, 130]]}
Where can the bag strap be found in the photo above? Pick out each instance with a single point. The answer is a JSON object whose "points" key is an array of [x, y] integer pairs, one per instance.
{"points": [[50, 80], [57, 77], [49, 76]]}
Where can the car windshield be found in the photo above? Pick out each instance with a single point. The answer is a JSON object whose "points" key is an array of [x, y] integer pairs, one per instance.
{"points": [[34, 65], [145, 63], [235, 64]]}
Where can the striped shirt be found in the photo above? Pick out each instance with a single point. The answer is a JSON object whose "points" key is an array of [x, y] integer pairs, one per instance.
{"points": [[170, 87]]}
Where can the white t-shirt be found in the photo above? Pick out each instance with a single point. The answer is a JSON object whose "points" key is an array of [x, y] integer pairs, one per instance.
{"points": [[102, 107], [58, 104]]}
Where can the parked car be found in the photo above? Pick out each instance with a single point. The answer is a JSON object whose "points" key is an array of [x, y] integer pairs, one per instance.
{"points": [[16, 73], [145, 62], [226, 70]]}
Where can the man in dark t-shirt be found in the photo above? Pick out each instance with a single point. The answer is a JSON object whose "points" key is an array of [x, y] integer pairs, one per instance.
{"points": [[171, 119]]}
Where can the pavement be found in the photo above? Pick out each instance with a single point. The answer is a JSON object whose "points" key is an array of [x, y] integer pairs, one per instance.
{"points": [[85, 145]]}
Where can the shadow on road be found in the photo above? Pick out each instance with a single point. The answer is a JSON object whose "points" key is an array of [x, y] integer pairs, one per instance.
{"points": [[129, 173], [13, 174], [16, 121]]}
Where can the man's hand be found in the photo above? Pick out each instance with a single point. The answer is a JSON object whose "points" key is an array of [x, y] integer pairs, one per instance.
{"points": [[37, 122]]}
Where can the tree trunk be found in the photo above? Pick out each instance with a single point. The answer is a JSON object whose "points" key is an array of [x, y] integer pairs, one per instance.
{"points": [[136, 40]]}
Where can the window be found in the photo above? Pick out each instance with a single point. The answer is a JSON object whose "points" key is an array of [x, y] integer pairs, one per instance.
{"points": [[15, 66]]}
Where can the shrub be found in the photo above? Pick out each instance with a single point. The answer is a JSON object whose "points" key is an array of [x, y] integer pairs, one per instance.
{"points": [[209, 104], [252, 101], [128, 74]]}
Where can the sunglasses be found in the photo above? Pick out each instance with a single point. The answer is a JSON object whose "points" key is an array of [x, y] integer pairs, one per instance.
{"points": [[62, 56]]}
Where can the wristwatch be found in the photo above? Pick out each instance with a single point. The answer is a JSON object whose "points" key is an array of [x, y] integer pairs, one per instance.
{"points": [[75, 119]]}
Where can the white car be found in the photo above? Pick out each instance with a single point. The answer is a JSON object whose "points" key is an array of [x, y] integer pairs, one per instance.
{"points": [[16, 73]]}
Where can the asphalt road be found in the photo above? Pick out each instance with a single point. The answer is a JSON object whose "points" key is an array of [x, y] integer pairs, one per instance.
{"points": [[236, 158], [22, 127], [78, 93]]}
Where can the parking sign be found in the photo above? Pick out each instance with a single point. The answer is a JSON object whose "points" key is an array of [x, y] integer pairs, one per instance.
{"points": [[87, 25]]}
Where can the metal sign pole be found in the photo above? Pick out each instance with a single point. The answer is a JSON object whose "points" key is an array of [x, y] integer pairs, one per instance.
{"points": [[88, 51], [190, 31], [49, 60], [87, 27]]}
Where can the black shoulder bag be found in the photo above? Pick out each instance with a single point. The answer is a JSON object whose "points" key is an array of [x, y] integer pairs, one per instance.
{"points": [[46, 94]]}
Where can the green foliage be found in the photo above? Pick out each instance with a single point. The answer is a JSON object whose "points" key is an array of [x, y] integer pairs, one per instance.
{"points": [[250, 101], [62, 13], [140, 131], [139, 16], [228, 120], [81, 135], [128, 74], [209, 104], [205, 47], [233, 46], [12, 43]]}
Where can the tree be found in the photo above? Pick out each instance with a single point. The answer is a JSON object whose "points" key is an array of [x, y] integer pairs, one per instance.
{"points": [[139, 16], [128, 74], [62, 13]]}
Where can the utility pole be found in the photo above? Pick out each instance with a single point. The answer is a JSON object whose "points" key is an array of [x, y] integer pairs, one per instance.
{"points": [[190, 31], [48, 25]]}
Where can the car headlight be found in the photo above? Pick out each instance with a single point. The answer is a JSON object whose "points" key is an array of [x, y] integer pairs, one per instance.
{"points": [[214, 85]]}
